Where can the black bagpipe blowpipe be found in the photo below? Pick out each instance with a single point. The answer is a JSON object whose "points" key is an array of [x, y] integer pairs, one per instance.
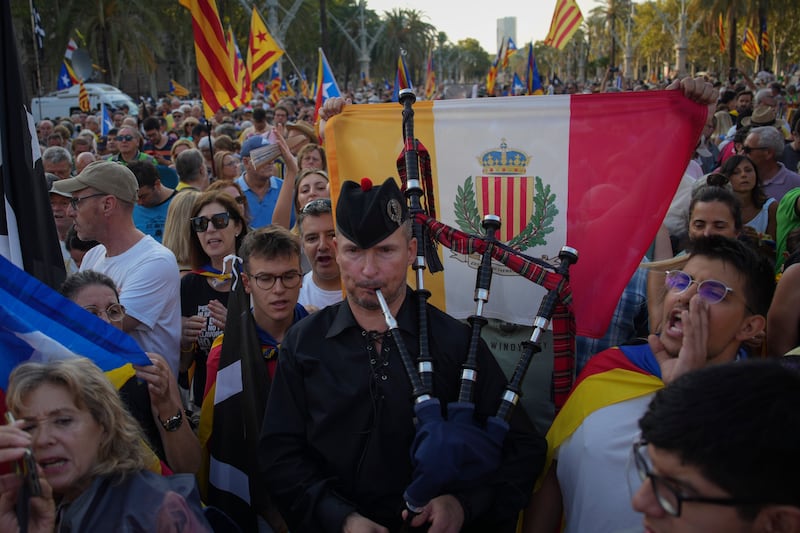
{"points": [[483, 282], [568, 257], [419, 391], [426, 253]]}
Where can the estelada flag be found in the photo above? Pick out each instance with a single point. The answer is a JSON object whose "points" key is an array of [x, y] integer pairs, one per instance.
{"points": [[177, 89], [326, 86], [262, 49], [750, 45], [721, 32], [559, 170]]}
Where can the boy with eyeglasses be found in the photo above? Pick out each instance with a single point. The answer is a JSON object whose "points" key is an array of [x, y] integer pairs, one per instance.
{"points": [[716, 302], [272, 277], [718, 452]]}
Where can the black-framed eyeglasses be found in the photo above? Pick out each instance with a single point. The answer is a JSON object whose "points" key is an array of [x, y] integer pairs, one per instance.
{"points": [[218, 220], [75, 202], [748, 149], [318, 204], [289, 280], [668, 496], [124, 137], [114, 312]]}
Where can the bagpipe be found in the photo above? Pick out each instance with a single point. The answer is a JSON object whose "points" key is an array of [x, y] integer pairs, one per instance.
{"points": [[457, 450]]}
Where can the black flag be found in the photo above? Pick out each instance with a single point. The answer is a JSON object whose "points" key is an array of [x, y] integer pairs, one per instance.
{"points": [[28, 235]]}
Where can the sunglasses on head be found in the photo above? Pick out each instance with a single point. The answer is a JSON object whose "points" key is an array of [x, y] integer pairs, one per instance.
{"points": [[314, 205], [219, 221], [124, 137]]}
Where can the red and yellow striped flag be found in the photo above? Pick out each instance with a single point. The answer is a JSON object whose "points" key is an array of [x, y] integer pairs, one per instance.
{"points": [[262, 50], [721, 31], [217, 85], [566, 21], [750, 45], [83, 99]]}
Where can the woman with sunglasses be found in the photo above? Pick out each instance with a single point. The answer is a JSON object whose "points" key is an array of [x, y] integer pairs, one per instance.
{"points": [[311, 183], [758, 211], [218, 228], [152, 396]]}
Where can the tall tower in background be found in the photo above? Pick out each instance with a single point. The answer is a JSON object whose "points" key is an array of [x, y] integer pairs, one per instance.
{"points": [[506, 27]]}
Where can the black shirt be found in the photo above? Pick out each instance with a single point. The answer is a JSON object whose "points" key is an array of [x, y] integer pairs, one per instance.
{"points": [[339, 424]]}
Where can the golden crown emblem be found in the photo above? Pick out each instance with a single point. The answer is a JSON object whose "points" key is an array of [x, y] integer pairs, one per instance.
{"points": [[503, 161]]}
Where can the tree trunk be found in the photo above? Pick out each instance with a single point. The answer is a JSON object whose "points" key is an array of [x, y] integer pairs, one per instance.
{"points": [[732, 42]]}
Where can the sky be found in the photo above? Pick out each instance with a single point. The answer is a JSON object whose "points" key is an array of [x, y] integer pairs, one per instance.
{"points": [[465, 18]]}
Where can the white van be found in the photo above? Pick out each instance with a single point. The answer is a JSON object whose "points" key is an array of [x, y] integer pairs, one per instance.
{"points": [[65, 102]]}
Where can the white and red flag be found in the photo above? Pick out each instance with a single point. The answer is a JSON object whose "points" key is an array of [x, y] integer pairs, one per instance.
{"points": [[594, 172]]}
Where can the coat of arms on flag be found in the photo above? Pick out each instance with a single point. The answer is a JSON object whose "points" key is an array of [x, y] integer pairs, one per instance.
{"points": [[526, 205]]}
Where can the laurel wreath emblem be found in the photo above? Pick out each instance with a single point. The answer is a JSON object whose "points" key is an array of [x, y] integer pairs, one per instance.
{"points": [[539, 225]]}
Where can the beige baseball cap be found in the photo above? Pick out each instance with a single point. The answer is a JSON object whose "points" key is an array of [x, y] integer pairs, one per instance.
{"points": [[106, 176]]}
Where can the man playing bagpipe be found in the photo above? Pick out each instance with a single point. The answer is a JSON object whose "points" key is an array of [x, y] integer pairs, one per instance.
{"points": [[339, 425]]}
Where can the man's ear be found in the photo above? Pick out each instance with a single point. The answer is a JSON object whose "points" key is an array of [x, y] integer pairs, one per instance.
{"points": [[245, 282], [751, 326], [777, 519]]}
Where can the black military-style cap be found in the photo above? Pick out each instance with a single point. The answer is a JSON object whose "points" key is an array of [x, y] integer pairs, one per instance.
{"points": [[366, 213]]}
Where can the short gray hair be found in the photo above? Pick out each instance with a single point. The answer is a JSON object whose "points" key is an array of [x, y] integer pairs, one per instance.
{"points": [[57, 154], [769, 137]]}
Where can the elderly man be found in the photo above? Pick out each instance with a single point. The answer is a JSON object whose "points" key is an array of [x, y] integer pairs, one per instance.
{"points": [[128, 140], [764, 145], [57, 160], [192, 171], [83, 160], [339, 425], [262, 187], [44, 129], [103, 197]]}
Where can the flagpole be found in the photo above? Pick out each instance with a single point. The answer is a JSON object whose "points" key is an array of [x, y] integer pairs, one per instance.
{"points": [[36, 56], [286, 54]]}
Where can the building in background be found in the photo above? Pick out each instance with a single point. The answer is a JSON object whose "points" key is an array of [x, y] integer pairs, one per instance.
{"points": [[506, 27]]}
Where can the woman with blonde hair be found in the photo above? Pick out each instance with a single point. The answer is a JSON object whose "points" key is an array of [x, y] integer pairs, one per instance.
{"points": [[226, 165], [90, 455], [181, 145], [177, 232]]}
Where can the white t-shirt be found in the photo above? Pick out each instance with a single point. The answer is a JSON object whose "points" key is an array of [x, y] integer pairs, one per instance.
{"points": [[596, 471], [311, 294], [149, 287]]}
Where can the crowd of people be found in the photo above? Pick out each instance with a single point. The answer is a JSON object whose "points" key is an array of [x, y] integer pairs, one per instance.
{"points": [[152, 217]]}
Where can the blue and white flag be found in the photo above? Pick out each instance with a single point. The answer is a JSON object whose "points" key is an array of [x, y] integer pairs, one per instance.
{"points": [[39, 324], [107, 122], [64, 79]]}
